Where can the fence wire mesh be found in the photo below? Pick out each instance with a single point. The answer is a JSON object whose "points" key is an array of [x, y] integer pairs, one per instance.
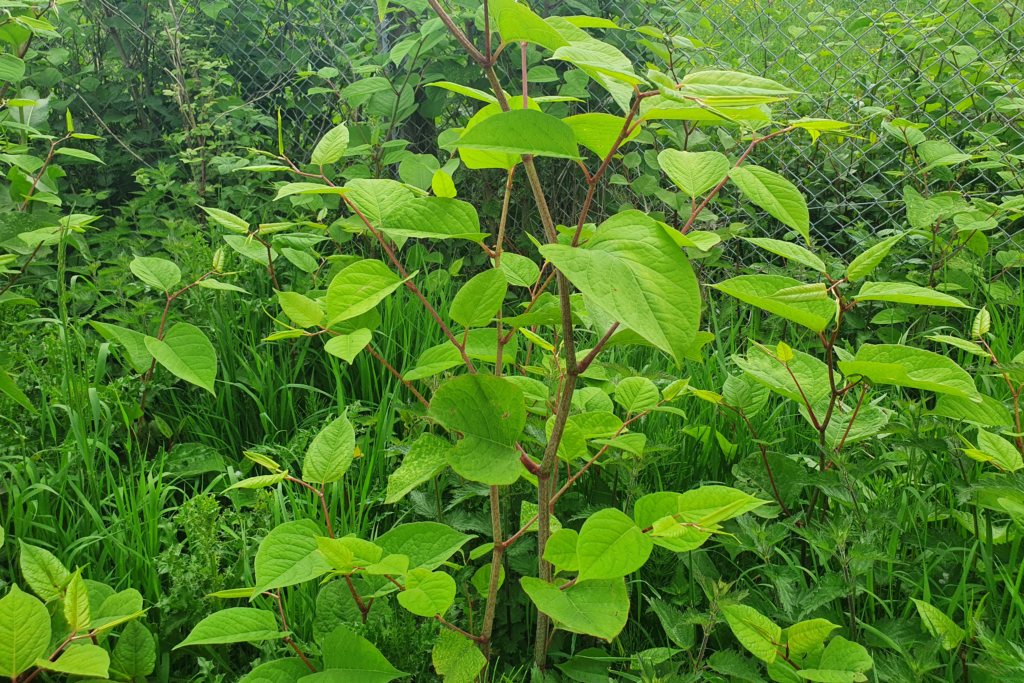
{"points": [[949, 66]]}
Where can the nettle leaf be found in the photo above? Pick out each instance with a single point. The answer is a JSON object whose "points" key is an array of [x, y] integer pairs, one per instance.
{"points": [[331, 147], [348, 658], [348, 346], [426, 459], [235, 625], [43, 572], [516, 23], [490, 413], [906, 366], [87, 660], [521, 131], [635, 272], [186, 353], [939, 625], [135, 653], [289, 555], [776, 195], [330, 454], [288, 670], [866, 262], [694, 172], [359, 288], [480, 299], [520, 271], [560, 550], [759, 290], [611, 545], [436, 218], [988, 413], [156, 272], [756, 633], [427, 544], [637, 394], [906, 293], [300, 310], [427, 593], [793, 252], [598, 132], [457, 658], [597, 608], [24, 631], [805, 636]]}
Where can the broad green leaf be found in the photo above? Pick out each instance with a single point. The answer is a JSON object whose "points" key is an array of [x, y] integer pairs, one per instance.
{"points": [[490, 413], [597, 608], [427, 544], [300, 310], [521, 131], [78, 154], [135, 653], [480, 299], [906, 366], [745, 394], [662, 108], [758, 634], [694, 172], [79, 659], [602, 58], [436, 218], [810, 373], [457, 658], [676, 627], [591, 665], [598, 132], [776, 195], [480, 345], [472, 93], [988, 413], [377, 199], [24, 631], [611, 545], [116, 607], [866, 262], [520, 271], [442, 185], [427, 593], [12, 67], [637, 394], [349, 553], [870, 420], [963, 344], [350, 658], [793, 252], [731, 84], [348, 346], [288, 670], [426, 459], [210, 283], [11, 388], [358, 288], [999, 451], [560, 550], [76, 604], [939, 625], [710, 504], [392, 565], [331, 147], [250, 249], [291, 189], [635, 272], [807, 635], [758, 290], [906, 293], [330, 454], [261, 481], [156, 272], [227, 220], [289, 555], [188, 354], [516, 23], [843, 655], [235, 625], [982, 324], [43, 572]]}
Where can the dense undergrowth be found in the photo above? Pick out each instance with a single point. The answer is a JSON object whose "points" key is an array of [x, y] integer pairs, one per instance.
{"points": [[360, 407]]}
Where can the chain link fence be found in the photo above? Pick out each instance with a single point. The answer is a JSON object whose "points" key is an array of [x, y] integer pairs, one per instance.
{"points": [[944, 66]]}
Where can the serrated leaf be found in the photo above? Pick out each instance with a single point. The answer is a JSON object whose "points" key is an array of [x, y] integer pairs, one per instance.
{"points": [[679, 631], [490, 413], [188, 354], [234, 625]]}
